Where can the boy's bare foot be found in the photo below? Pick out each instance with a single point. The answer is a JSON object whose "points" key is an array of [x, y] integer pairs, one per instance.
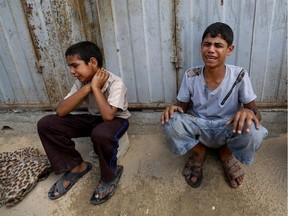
{"points": [[68, 180], [78, 169]]}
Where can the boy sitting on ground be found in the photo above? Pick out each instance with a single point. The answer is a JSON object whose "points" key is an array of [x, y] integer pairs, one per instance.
{"points": [[216, 109]]}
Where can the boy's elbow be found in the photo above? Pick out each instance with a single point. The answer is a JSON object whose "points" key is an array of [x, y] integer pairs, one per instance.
{"points": [[109, 115], [108, 118], [59, 113]]}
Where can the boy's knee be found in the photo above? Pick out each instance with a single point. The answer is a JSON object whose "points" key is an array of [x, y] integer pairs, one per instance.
{"points": [[173, 122], [259, 134], [101, 137], [45, 122]]}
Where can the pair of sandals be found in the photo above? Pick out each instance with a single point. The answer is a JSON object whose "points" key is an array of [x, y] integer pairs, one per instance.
{"points": [[103, 187], [231, 168]]}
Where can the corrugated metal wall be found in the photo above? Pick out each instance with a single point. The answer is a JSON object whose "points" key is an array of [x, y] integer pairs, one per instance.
{"points": [[148, 43], [260, 38], [20, 84], [138, 41], [34, 35]]}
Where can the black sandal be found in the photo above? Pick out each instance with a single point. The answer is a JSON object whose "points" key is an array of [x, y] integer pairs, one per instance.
{"points": [[104, 187], [72, 177]]}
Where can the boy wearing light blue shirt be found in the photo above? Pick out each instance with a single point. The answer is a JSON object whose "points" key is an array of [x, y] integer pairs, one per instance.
{"points": [[216, 109]]}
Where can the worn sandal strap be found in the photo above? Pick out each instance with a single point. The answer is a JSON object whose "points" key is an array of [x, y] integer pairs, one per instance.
{"points": [[191, 165], [72, 177], [105, 187], [232, 168], [59, 187]]}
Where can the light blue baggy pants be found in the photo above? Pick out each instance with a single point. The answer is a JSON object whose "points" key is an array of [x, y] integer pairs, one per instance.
{"points": [[184, 131]]}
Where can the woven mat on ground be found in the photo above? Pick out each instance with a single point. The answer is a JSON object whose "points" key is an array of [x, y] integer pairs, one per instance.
{"points": [[20, 172]]}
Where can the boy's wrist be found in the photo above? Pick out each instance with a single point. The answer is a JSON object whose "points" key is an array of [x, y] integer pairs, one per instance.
{"points": [[253, 110], [87, 87], [96, 89]]}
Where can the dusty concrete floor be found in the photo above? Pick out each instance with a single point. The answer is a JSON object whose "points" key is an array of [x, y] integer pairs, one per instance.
{"points": [[152, 183]]}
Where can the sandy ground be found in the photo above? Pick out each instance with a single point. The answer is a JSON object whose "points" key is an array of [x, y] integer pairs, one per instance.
{"points": [[152, 183]]}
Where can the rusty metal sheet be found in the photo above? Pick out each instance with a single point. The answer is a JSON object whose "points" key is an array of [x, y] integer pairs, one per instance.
{"points": [[20, 83]]}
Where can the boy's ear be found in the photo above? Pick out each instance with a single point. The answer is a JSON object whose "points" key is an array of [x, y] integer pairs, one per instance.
{"points": [[93, 61], [230, 50]]}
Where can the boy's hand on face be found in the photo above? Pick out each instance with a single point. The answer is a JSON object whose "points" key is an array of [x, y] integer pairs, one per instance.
{"points": [[169, 113], [99, 79], [240, 118]]}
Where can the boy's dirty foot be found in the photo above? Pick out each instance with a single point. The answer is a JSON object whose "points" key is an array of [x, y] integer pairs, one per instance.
{"points": [[232, 170], [105, 190], [68, 180], [76, 169], [192, 170]]}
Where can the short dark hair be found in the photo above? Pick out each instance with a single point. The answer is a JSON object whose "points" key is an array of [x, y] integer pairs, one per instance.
{"points": [[221, 29], [85, 50]]}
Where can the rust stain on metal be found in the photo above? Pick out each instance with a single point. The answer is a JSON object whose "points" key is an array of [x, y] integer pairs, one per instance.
{"points": [[28, 8]]}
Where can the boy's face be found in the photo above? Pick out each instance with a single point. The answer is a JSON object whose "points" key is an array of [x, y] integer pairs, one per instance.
{"points": [[79, 69], [214, 51]]}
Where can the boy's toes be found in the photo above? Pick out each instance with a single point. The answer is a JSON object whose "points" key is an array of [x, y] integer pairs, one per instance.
{"points": [[239, 180], [233, 171]]}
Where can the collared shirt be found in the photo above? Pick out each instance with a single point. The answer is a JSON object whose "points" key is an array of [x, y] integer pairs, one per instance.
{"points": [[206, 103], [115, 93]]}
